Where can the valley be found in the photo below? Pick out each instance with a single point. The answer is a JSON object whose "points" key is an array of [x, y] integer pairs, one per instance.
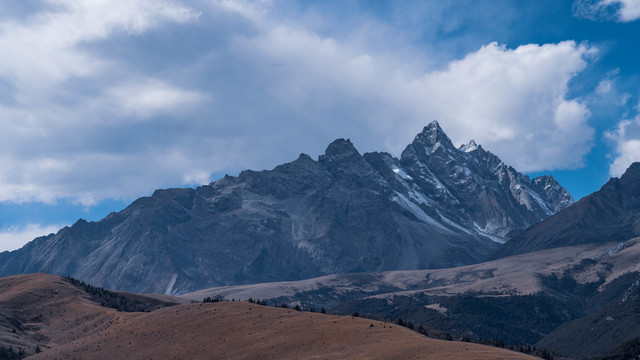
{"points": [[518, 299]]}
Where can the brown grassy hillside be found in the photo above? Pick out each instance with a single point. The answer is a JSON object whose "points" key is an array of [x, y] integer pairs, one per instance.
{"points": [[44, 311], [73, 327]]}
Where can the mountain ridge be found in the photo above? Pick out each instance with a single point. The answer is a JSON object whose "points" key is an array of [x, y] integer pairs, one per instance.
{"points": [[610, 214], [436, 206]]}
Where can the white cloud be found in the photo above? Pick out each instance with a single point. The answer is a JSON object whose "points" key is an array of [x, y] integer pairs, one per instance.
{"points": [[626, 138], [14, 237], [604, 86], [240, 87], [148, 97], [70, 109], [54, 37], [607, 10], [629, 9], [514, 102]]}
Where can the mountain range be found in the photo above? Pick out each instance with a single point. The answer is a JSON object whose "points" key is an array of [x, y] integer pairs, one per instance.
{"points": [[570, 284], [436, 206], [445, 237]]}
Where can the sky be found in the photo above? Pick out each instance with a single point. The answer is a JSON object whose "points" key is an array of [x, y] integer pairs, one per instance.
{"points": [[104, 101]]}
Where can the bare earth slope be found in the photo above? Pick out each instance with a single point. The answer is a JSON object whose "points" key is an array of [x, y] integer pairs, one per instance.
{"points": [[66, 324], [40, 310], [240, 330], [519, 299], [515, 275]]}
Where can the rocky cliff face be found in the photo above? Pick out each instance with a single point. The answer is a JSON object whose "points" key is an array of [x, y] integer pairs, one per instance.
{"points": [[475, 189], [436, 206], [610, 214]]}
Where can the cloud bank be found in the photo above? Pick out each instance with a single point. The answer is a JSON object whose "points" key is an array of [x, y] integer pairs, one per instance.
{"points": [[115, 100], [15, 237]]}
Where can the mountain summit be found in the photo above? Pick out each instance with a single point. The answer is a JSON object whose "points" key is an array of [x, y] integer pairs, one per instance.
{"points": [[436, 206]]}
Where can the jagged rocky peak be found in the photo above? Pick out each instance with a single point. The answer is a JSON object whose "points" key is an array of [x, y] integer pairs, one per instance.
{"points": [[552, 192], [433, 134], [497, 200], [631, 177], [469, 147], [304, 157], [340, 150], [625, 189], [433, 138], [304, 161], [544, 180]]}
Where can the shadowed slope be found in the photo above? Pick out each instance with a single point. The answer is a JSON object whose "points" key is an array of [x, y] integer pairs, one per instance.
{"points": [[610, 214]]}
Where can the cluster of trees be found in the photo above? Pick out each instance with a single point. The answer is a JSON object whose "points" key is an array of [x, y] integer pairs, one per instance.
{"points": [[208, 299], [437, 334], [526, 349], [264, 302], [112, 299], [258, 302], [431, 333], [9, 353], [523, 318], [297, 307]]}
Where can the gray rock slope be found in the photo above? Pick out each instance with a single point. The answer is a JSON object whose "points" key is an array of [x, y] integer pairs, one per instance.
{"points": [[610, 214], [436, 206]]}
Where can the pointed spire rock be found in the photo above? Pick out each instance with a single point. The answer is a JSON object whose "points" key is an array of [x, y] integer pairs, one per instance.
{"points": [[631, 177], [431, 136], [469, 147], [341, 151], [341, 147], [432, 128]]}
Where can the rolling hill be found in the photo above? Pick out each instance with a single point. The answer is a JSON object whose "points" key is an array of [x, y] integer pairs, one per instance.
{"points": [[63, 322]]}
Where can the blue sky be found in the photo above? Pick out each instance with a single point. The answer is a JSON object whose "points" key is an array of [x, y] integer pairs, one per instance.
{"points": [[102, 102]]}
